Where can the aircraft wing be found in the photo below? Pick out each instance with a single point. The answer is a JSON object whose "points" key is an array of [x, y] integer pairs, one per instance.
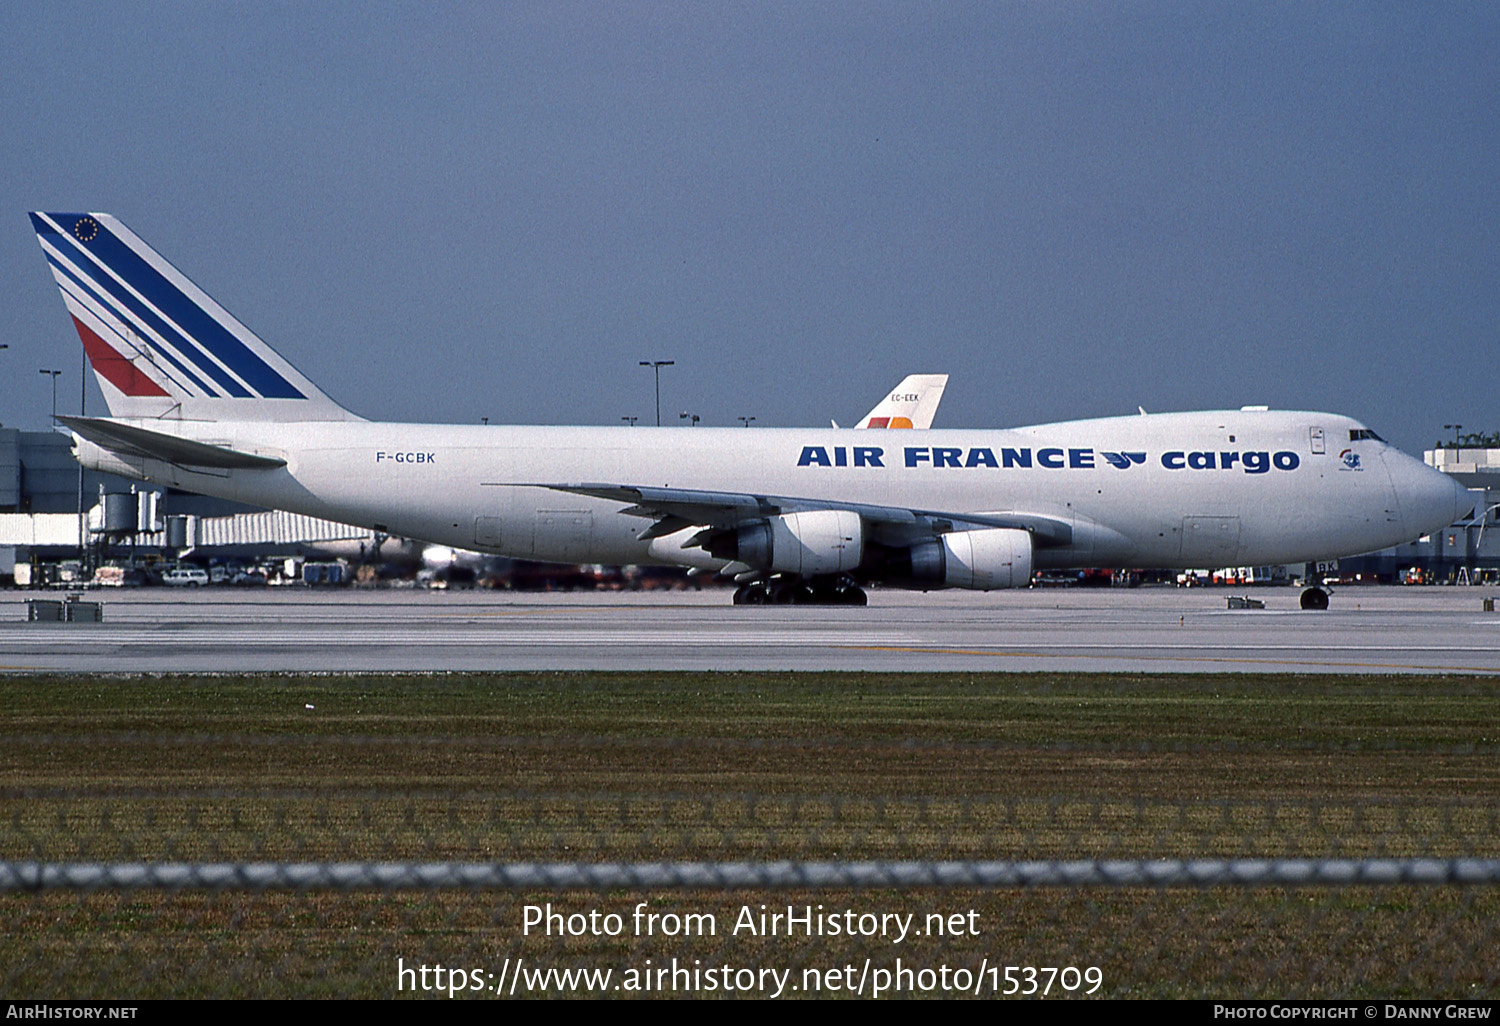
{"points": [[676, 508], [128, 440]]}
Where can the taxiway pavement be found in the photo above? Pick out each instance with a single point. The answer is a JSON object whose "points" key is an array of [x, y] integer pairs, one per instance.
{"points": [[1368, 630]]}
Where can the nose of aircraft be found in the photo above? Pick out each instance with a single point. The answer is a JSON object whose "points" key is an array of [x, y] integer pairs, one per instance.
{"points": [[1429, 499]]}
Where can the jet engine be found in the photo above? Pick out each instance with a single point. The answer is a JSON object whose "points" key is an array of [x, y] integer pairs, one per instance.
{"points": [[825, 541], [984, 560]]}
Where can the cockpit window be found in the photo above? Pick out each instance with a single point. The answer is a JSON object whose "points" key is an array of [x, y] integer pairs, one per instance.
{"points": [[1360, 434]]}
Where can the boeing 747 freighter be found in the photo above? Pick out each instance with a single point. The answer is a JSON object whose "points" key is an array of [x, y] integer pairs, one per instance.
{"points": [[197, 401]]}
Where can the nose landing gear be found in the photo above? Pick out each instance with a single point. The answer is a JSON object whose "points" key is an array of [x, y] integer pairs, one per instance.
{"points": [[1315, 598]]}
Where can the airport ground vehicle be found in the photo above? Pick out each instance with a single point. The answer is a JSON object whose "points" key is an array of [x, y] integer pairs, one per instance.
{"points": [[191, 576]]}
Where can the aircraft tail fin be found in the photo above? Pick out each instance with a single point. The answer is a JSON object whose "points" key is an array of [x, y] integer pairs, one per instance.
{"points": [[911, 404], [160, 346]]}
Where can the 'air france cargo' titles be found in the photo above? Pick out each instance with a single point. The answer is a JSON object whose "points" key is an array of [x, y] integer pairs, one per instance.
{"points": [[1250, 462]]}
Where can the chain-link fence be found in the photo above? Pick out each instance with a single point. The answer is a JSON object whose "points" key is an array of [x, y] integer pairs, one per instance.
{"points": [[264, 894]]}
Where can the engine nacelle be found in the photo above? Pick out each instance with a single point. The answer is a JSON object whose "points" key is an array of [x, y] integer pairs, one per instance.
{"points": [[996, 557], [825, 541]]}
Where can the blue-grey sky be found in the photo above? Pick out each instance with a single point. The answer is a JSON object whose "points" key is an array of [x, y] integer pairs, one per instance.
{"points": [[450, 211]]}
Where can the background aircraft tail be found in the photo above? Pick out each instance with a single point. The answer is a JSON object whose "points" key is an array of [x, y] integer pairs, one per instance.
{"points": [[160, 346], [911, 404]]}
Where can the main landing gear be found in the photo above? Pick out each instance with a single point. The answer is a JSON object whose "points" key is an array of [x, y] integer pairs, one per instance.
{"points": [[1315, 598], [817, 591]]}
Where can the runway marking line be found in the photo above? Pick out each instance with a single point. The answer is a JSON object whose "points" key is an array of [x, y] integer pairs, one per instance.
{"points": [[1181, 658], [508, 612]]}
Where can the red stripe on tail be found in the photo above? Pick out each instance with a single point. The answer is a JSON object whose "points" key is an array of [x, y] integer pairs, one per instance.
{"points": [[113, 367]]}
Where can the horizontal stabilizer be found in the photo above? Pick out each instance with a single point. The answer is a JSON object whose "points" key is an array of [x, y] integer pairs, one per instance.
{"points": [[127, 440]]}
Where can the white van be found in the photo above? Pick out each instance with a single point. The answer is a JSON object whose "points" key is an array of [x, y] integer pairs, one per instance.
{"points": [[184, 575]]}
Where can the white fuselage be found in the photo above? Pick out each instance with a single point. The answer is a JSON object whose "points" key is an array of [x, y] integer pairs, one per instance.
{"points": [[1166, 490]]}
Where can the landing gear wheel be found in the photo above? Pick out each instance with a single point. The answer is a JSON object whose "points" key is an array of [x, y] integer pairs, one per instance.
{"points": [[853, 596], [834, 591], [751, 594], [785, 593], [845, 593], [1315, 598]]}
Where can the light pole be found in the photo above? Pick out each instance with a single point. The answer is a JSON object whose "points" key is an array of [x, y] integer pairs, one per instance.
{"points": [[1455, 428], [694, 416], [631, 419], [747, 420], [657, 365], [54, 374]]}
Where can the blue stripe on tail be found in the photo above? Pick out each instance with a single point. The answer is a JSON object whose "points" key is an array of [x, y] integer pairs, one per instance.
{"points": [[166, 354]]}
